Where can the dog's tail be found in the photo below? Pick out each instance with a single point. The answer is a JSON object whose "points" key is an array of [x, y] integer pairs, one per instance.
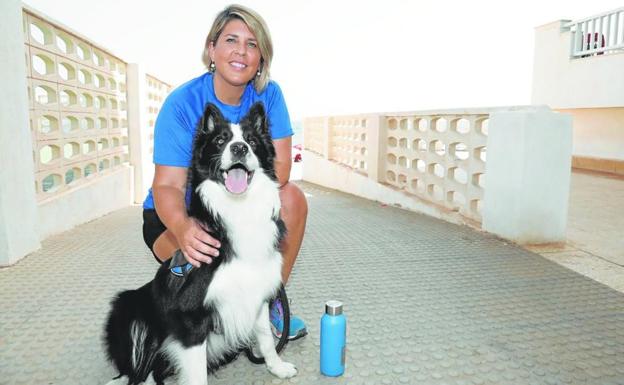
{"points": [[131, 340]]}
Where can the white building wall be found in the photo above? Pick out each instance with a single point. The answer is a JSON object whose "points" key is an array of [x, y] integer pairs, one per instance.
{"points": [[590, 89], [563, 83], [598, 132]]}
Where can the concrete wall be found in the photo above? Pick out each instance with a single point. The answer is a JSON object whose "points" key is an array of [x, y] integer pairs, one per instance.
{"points": [[563, 83], [57, 172], [89, 201], [18, 215], [527, 172]]}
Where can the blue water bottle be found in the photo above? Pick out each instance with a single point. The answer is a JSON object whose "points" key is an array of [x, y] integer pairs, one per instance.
{"points": [[333, 339]]}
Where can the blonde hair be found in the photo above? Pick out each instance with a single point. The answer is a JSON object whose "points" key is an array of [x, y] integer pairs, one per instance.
{"points": [[257, 26]]}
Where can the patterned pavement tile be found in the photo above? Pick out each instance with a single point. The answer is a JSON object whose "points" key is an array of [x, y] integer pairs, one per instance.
{"points": [[427, 302]]}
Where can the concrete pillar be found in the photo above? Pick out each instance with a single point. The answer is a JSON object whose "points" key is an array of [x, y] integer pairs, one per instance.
{"points": [[327, 137], [18, 203], [528, 175], [376, 142], [138, 142]]}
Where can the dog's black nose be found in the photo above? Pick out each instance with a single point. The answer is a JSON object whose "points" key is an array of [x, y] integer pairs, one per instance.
{"points": [[239, 149]]}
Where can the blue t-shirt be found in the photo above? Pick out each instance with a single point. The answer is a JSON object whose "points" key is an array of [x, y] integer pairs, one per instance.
{"points": [[180, 113]]}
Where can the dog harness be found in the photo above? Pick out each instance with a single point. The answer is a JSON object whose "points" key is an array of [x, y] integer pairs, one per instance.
{"points": [[178, 264]]}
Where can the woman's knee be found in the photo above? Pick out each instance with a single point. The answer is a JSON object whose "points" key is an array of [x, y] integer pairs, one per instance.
{"points": [[293, 200]]}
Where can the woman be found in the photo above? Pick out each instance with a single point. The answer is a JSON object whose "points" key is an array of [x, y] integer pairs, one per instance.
{"points": [[238, 55]]}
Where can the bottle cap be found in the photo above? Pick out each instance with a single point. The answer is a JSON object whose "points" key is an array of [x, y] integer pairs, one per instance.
{"points": [[333, 308]]}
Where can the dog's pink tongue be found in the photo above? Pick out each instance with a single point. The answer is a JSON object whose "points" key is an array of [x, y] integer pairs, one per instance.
{"points": [[236, 181]]}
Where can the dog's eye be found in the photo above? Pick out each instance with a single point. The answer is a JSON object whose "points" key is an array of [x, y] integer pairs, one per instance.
{"points": [[252, 142], [220, 141]]}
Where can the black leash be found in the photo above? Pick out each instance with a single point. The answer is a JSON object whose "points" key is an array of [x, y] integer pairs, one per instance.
{"points": [[285, 329]]}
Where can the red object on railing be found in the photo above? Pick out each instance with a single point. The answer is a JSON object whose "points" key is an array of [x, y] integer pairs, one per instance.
{"points": [[588, 42]]}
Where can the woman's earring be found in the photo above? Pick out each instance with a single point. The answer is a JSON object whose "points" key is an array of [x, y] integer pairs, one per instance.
{"points": [[213, 67], [258, 73]]}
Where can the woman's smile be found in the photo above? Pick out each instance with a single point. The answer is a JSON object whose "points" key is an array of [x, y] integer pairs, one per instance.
{"points": [[238, 65]]}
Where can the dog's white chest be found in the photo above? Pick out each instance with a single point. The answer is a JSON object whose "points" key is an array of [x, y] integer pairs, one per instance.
{"points": [[237, 291]]}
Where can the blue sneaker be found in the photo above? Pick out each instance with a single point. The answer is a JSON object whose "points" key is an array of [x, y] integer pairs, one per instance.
{"points": [[276, 315]]}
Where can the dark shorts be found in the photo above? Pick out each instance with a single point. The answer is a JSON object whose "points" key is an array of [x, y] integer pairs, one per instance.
{"points": [[152, 229]]}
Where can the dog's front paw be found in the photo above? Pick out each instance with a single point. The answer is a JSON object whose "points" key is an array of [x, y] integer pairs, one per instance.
{"points": [[283, 369]]}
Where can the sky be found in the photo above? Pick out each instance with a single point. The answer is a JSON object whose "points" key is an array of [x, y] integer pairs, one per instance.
{"points": [[334, 57]]}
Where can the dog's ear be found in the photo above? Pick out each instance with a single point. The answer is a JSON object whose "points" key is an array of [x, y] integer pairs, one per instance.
{"points": [[211, 118], [258, 119]]}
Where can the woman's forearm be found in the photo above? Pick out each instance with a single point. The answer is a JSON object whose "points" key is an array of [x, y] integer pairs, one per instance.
{"points": [[169, 202], [282, 170]]}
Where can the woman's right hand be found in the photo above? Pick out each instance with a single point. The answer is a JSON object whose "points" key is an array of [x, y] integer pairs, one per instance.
{"points": [[196, 243]]}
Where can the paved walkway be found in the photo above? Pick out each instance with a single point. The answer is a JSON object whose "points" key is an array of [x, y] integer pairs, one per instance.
{"points": [[428, 302], [595, 231]]}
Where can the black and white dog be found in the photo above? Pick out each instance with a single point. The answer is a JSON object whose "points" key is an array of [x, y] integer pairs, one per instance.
{"points": [[182, 327]]}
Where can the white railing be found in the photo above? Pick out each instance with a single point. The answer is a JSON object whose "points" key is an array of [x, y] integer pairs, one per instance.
{"points": [[157, 91], [79, 106], [348, 142], [597, 35], [438, 156]]}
